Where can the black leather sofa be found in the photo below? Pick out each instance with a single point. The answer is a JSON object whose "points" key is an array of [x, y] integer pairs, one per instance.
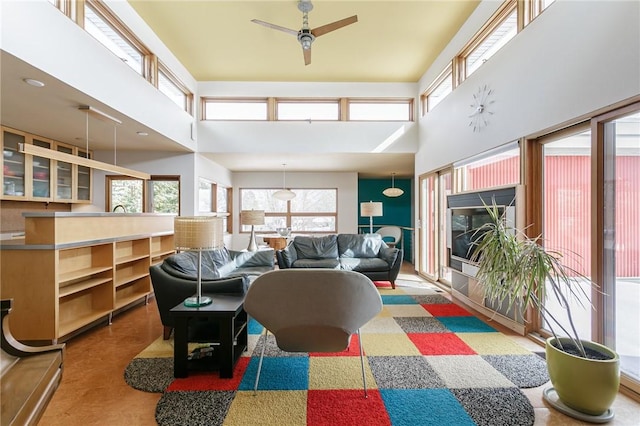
{"points": [[223, 271], [364, 253]]}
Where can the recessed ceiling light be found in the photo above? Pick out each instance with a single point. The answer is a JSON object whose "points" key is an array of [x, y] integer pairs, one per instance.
{"points": [[143, 134], [33, 82]]}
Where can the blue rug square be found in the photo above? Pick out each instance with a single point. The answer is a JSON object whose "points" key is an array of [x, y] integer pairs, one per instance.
{"points": [[465, 325], [410, 407], [279, 373], [401, 299], [254, 327]]}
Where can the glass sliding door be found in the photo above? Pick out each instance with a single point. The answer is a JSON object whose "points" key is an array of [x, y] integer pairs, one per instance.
{"points": [[444, 189], [621, 241], [567, 216], [428, 226]]}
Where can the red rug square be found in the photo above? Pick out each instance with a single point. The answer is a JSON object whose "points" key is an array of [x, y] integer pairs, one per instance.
{"points": [[382, 284], [447, 310], [346, 407], [352, 350], [206, 380], [440, 344]]}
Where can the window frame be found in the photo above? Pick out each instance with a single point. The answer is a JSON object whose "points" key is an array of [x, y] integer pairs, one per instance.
{"points": [[146, 202], [208, 99], [497, 19], [288, 214], [310, 101], [381, 101], [161, 68], [435, 85], [122, 30]]}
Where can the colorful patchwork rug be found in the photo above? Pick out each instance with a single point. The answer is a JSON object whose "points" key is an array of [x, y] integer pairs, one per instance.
{"points": [[427, 362]]}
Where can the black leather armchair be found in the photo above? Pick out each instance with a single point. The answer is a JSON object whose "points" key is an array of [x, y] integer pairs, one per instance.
{"points": [[223, 271]]}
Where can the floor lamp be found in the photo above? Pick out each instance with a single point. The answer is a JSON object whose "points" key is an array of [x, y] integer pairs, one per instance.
{"points": [[371, 209], [198, 233], [252, 217]]}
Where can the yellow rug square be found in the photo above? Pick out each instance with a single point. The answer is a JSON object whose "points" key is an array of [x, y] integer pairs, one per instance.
{"points": [[381, 325], [160, 348], [389, 344], [268, 408], [407, 311], [343, 372], [492, 344]]}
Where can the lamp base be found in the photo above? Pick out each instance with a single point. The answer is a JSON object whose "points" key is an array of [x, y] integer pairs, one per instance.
{"points": [[253, 246], [194, 302]]}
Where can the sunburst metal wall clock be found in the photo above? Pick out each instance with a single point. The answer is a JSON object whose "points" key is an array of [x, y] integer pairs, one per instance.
{"points": [[482, 101]]}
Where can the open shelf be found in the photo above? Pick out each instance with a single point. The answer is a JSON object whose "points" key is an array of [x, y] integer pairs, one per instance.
{"points": [[122, 280], [81, 273], [132, 291], [82, 285]]}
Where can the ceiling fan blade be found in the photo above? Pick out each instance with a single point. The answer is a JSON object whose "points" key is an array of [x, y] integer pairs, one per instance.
{"points": [[334, 26], [275, 27], [307, 56]]}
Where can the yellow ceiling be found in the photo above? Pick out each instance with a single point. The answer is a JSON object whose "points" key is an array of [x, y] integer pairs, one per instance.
{"points": [[393, 41]]}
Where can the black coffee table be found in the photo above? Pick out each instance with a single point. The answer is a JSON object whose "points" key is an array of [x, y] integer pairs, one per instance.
{"points": [[225, 327]]}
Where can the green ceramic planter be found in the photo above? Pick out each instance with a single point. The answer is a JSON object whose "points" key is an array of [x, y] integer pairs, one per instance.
{"points": [[589, 386]]}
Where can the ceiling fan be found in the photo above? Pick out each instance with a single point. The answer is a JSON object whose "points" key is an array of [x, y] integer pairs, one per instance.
{"points": [[306, 35]]}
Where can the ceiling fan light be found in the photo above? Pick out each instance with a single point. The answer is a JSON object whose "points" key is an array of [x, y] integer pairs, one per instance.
{"points": [[284, 195], [393, 192]]}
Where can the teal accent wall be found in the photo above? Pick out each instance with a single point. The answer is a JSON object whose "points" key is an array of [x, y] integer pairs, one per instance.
{"points": [[395, 211]]}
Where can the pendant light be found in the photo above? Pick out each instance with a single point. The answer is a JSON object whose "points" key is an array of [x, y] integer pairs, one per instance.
{"points": [[393, 191], [284, 194]]}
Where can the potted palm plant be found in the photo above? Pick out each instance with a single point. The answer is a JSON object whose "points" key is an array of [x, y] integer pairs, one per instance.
{"points": [[518, 271]]}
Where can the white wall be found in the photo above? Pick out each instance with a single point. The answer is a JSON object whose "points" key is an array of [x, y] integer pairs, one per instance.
{"points": [[573, 59]]}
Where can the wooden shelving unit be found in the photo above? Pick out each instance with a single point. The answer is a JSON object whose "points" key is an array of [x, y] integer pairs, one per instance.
{"points": [[58, 289]]}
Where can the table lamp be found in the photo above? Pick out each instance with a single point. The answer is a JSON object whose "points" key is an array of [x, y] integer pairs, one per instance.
{"points": [[198, 233], [252, 217], [371, 209]]}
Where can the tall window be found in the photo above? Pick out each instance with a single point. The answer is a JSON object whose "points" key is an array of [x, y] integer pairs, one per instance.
{"points": [[126, 193], [501, 28], [205, 196], [107, 29], [567, 213], [311, 211], [174, 89], [164, 195], [438, 90], [621, 267]]}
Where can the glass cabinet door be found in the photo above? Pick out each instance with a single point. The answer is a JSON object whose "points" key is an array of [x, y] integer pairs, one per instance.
{"points": [[64, 173], [41, 172], [84, 179], [13, 165]]}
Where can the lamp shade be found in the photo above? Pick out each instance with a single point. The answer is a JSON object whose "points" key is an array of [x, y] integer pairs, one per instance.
{"points": [[252, 217], [393, 192], [371, 209], [195, 233], [284, 195]]}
